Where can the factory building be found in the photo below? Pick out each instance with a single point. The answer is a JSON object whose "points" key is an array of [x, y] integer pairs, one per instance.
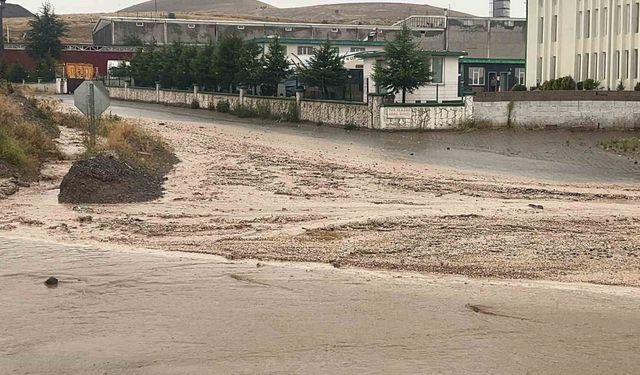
{"points": [[585, 39]]}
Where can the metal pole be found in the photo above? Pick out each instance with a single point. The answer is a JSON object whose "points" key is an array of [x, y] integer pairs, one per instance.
{"points": [[92, 116], [2, 5]]}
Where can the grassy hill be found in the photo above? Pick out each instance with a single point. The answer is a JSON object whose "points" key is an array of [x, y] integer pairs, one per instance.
{"points": [[224, 6]]}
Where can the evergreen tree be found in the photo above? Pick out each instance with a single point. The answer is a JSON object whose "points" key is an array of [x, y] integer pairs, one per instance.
{"points": [[275, 67], [250, 65], [406, 67], [325, 69], [202, 68], [45, 31], [226, 62]]}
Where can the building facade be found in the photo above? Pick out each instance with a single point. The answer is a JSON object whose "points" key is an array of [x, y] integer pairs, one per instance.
{"points": [[585, 39], [491, 75]]}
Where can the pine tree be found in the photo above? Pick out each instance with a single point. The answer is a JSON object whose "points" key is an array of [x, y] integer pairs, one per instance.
{"points": [[325, 69], [226, 62], [250, 70], [406, 67], [276, 67], [45, 31], [202, 68]]}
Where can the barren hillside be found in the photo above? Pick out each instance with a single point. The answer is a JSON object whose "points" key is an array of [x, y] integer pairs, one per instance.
{"points": [[226, 6]]}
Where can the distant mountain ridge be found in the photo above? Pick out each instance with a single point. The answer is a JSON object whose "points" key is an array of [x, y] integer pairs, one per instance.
{"points": [[15, 11], [369, 12]]}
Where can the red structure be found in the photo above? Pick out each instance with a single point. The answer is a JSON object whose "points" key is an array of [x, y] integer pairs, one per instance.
{"points": [[98, 56]]}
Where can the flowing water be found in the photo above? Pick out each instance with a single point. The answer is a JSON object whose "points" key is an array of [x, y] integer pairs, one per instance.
{"points": [[139, 312]]}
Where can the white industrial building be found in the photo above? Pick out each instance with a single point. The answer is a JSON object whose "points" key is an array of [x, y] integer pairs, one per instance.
{"points": [[585, 39]]}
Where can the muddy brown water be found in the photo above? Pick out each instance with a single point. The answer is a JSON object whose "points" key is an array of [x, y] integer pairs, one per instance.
{"points": [[554, 155], [140, 312]]}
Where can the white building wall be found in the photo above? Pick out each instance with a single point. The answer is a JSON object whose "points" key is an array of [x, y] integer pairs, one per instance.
{"points": [[586, 30]]}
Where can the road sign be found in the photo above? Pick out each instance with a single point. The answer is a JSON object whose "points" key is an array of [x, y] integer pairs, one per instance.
{"points": [[92, 99], [100, 102]]}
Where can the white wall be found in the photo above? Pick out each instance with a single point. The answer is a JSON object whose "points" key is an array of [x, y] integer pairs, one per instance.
{"points": [[571, 42]]}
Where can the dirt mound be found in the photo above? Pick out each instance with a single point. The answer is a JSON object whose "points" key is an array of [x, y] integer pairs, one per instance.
{"points": [[107, 179]]}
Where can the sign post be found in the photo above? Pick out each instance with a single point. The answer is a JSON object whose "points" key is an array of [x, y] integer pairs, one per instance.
{"points": [[92, 99]]}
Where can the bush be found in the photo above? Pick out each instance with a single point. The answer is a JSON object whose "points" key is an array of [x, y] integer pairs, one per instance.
{"points": [[620, 86], [519, 88], [263, 110], [292, 114], [563, 83], [637, 88], [195, 104], [590, 84], [223, 106], [16, 73], [351, 126], [244, 111]]}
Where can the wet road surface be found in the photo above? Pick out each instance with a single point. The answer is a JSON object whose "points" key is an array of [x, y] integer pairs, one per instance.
{"points": [[554, 155], [139, 312]]}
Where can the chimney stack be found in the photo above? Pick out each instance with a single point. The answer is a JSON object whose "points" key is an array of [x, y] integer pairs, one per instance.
{"points": [[502, 8]]}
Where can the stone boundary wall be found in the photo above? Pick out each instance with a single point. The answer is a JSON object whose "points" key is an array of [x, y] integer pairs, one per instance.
{"points": [[372, 115], [588, 114], [558, 96]]}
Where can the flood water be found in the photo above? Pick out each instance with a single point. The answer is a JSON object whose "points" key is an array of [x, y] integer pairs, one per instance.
{"points": [[141, 312], [554, 155]]}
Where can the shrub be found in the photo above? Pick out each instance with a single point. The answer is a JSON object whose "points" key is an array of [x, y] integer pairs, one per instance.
{"points": [[223, 106], [16, 73], [244, 111], [620, 86], [548, 85], [637, 88], [625, 145], [263, 110], [195, 104], [211, 106], [10, 150], [351, 126], [292, 114], [590, 84], [519, 88]]}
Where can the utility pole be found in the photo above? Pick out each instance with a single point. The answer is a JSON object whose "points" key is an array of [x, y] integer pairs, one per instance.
{"points": [[2, 5]]}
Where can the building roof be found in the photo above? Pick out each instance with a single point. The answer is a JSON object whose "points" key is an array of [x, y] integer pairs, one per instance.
{"points": [[373, 54], [335, 42], [473, 60]]}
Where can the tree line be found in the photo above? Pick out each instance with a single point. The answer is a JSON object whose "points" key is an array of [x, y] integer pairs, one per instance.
{"points": [[231, 63]]}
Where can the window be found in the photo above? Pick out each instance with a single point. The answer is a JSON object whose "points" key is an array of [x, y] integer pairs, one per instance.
{"points": [[595, 23], [587, 24], [605, 21], [541, 30], [539, 71], [617, 21], [476, 76], [603, 66], [554, 28], [437, 69], [288, 29], [625, 65], [240, 27], [305, 50], [191, 26], [594, 66], [627, 18], [578, 67], [140, 24], [358, 49], [634, 18], [579, 26], [585, 71], [616, 67], [634, 65], [521, 76], [554, 65]]}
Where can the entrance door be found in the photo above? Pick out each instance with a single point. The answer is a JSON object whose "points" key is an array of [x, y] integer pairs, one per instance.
{"points": [[493, 82], [504, 81]]}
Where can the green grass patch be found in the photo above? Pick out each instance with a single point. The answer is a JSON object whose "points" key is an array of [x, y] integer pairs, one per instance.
{"points": [[623, 145]]}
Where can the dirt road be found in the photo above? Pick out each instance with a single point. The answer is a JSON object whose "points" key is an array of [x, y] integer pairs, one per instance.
{"points": [[144, 312], [279, 192]]}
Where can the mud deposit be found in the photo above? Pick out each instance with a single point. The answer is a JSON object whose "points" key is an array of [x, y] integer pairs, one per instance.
{"points": [[139, 312], [107, 179]]}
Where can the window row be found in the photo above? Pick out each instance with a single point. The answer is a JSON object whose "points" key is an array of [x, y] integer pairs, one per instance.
{"points": [[626, 65], [477, 76]]}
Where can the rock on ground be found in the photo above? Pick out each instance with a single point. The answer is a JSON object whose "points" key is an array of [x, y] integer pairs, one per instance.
{"points": [[107, 179]]}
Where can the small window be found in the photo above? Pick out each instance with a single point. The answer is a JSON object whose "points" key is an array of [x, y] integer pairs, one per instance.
{"points": [[288, 28], [359, 66], [521, 76], [335, 30], [140, 24], [358, 49], [191, 26], [476, 76], [240, 27], [305, 50]]}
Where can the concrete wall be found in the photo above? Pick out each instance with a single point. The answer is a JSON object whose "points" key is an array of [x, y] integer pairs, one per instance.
{"points": [[372, 115], [560, 109]]}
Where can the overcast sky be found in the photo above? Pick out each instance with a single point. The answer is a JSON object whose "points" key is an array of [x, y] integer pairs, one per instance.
{"points": [[477, 7]]}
